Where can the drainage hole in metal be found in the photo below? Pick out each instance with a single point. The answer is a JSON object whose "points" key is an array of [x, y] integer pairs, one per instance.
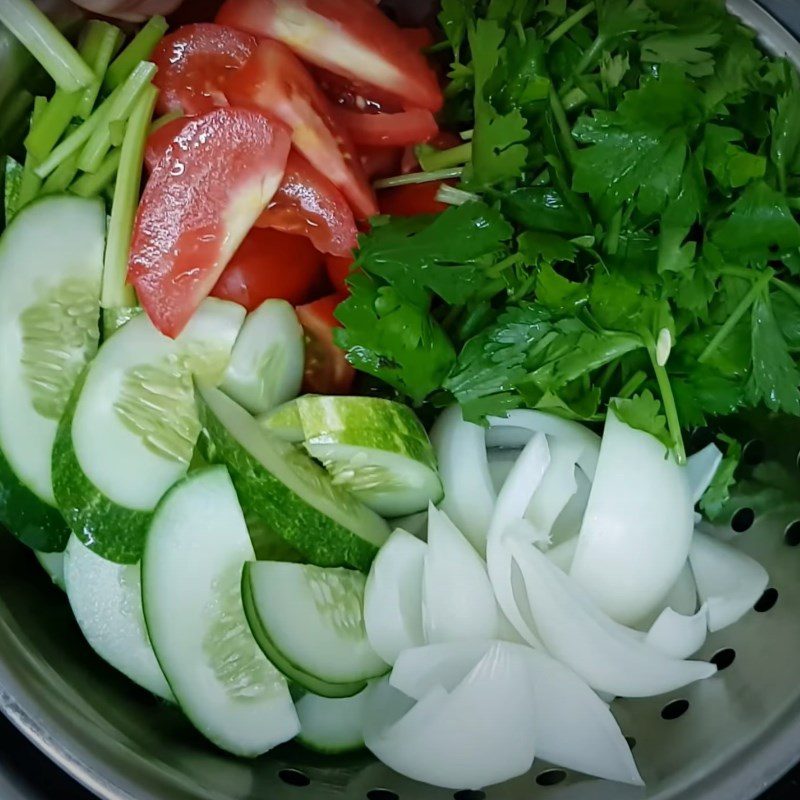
{"points": [[722, 659], [631, 742], [743, 519], [675, 709], [470, 794], [381, 794], [767, 601], [792, 533], [293, 777], [754, 452], [551, 777]]}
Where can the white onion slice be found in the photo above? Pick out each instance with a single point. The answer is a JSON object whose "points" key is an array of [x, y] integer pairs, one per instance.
{"points": [[701, 468], [558, 485], [457, 598], [522, 482], [682, 598], [638, 525], [501, 462], [469, 495], [568, 524], [393, 596], [728, 580], [515, 430], [481, 733], [679, 636], [608, 656], [563, 554]]}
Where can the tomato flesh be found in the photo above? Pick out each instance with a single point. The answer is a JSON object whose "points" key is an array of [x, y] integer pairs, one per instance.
{"points": [[199, 203], [193, 65], [276, 81], [308, 204], [338, 269], [326, 370], [271, 264], [390, 130], [380, 162], [160, 140], [352, 39], [410, 200]]}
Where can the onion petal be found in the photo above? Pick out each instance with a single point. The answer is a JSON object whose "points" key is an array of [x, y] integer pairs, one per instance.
{"points": [[558, 485], [679, 636], [469, 495], [729, 582], [701, 468], [458, 601], [608, 656], [393, 596], [563, 554], [638, 525]]}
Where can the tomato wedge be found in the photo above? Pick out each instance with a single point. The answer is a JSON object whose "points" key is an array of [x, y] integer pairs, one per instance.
{"points": [[390, 130], [199, 203], [353, 95], [349, 38], [338, 269], [160, 140], [193, 64], [380, 162], [308, 204], [410, 200], [327, 370], [271, 264], [276, 81]]}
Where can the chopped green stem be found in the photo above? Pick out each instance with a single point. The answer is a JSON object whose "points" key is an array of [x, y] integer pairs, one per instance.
{"points": [[159, 123], [737, 314], [443, 159], [607, 375], [453, 196], [632, 384], [92, 184], [590, 56], [30, 183], [46, 44], [788, 289], [140, 49], [119, 110], [61, 178], [570, 22], [116, 291], [419, 177], [574, 99], [564, 127], [668, 399], [467, 135], [50, 127], [103, 40], [614, 231]]}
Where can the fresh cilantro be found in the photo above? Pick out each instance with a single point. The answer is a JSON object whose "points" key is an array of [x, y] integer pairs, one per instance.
{"points": [[644, 413], [718, 494]]}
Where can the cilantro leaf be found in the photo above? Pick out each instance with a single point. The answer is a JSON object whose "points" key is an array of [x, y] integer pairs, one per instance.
{"points": [[731, 165], [644, 413], [690, 51], [454, 18], [786, 130], [718, 494], [445, 254]]}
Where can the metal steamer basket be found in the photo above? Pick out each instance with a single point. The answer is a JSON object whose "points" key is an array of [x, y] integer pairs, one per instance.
{"points": [[726, 738]]}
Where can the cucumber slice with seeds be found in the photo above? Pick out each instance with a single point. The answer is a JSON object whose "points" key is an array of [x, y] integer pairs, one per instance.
{"points": [[191, 579], [309, 621], [106, 599], [130, 429], [289, 492], [374, 448], [332, 726], [51, 262], [266, 367], [284, 422]]}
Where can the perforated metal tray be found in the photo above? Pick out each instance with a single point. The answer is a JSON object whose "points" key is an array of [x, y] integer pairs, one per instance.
{"points": [[727, 738]]}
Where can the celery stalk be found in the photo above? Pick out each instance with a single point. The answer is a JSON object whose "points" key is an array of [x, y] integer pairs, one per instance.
{"points": [[46, 44], [103, 39], [30, 182], [62, 177], [120, 108], [92, 184], [140, 49], [50, 127], [116, 291]]}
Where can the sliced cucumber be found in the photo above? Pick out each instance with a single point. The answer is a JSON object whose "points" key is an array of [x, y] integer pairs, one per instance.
{"points": [[106, 599], [51, 263], [309, 621], [266, 367], [332, 726], [191, 578], [130, 429], [115, 318], [53, 565], [375, 448], [284, 422], [286, 490]]}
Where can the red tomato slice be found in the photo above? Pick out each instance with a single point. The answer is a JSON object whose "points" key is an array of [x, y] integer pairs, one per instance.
{"points": [[193, 65], [418, 38], [338, 269], [390, 130], [200, 202], [276, 81], [353, 95], [270, 264], [308, 204], [380, 162], [352, 39], [408, 201], [160, 141], [327, 370]]}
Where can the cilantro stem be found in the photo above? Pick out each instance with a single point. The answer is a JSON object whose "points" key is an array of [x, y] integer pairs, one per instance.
{"points": [[30, 183], [590, 55], [443, 159], [564, 128], [467, 135], [734, 318], [454, 197], [668, 399], [570, 22], [632, 384], [92, 184], [163, 120], [574, 99], [788, 289], [614, 231], [419, 177]]}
